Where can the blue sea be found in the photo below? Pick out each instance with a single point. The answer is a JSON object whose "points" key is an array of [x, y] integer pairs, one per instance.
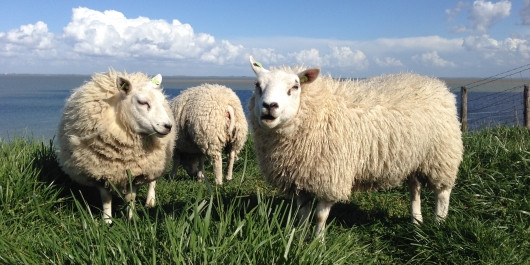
{"points": [[31, 105]]}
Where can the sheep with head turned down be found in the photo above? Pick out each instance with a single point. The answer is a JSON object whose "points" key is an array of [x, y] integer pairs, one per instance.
{"points": [[115, 124], [208, 119], [324, 138]]}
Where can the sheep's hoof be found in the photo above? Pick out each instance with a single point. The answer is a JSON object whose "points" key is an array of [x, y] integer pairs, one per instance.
{"points": [[150, 204], [417, 220]]}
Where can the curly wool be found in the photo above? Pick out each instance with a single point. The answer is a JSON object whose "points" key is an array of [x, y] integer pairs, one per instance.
{"points": [[96, 146], [362, 135], [201, 120]]}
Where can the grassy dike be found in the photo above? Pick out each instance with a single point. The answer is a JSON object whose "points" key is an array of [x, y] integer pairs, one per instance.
{"points": [[47, 219]]}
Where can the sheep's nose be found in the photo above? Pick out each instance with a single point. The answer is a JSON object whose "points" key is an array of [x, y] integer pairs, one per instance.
{"points": [[270, 106], [168, 126]]}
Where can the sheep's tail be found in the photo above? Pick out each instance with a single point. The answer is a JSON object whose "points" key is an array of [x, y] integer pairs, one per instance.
{"points": [[232, 118]]}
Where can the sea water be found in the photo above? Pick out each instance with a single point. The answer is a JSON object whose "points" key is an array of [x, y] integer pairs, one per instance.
{"points": [[31, 105]]}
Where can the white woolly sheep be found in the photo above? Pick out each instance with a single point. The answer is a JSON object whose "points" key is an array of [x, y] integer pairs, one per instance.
{"points": [[114, 124], [208, 119], [324, 138]]}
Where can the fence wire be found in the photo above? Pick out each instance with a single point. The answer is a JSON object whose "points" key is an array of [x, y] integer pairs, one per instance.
{"points": [[504, 104]]}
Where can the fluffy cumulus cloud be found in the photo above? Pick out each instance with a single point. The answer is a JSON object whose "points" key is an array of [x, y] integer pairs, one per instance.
{"points": [[110, 33], [388, 61], [432, 59], [346, 57], [485, 14], [27, 39], [335, 57], [94, 40], [482, 15]]}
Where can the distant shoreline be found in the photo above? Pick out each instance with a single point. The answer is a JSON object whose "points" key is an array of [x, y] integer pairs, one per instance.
{"points": [[454, 83]]}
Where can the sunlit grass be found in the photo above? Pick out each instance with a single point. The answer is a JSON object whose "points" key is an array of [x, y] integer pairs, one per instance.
{"points": [[47, 219]]}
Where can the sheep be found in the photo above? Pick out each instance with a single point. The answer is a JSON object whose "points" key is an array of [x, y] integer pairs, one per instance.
{"points": [[324, 138], [208, 119], [115, 125]]}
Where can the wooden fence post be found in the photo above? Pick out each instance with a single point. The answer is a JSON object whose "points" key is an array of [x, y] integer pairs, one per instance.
{"points": [[526, 107], [463, 108]]}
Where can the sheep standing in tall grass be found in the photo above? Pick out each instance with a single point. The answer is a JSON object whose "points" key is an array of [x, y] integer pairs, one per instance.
{"points": [[324, 138], [116, 132], [208, 119]]}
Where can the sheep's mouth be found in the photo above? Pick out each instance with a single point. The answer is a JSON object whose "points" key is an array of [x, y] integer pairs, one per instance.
{"points": [[162, 133], [267, 118]]}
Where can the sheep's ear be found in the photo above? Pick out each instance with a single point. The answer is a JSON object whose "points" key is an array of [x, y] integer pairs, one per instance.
{"points": [[257, 67], [308, 75], [157, 80], [123, 85]]}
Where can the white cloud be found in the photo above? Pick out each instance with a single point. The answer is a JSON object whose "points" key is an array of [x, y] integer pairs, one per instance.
{"points": [[507, 49], [225, 52], [432, 59], [415, 43], [94, 40], [345, 57], [309, 57], [110, 33], [482, 15], [485, 14], [518, 46], [483, 42], [453, 13], [388, 61], [27, 39], [337, 57]]}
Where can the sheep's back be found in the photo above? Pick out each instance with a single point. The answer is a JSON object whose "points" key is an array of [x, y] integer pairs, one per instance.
{"points": [[201, 114]]}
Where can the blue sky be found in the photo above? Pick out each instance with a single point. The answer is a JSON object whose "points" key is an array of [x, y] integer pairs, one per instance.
{"points": [[344, 38]]}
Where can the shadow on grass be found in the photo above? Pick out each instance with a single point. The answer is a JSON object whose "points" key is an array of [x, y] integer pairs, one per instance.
{"points": [[346, 215], [51, 174]]}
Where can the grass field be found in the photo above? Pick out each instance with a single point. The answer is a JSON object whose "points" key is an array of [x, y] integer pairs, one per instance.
{"points": [[47, 219]]}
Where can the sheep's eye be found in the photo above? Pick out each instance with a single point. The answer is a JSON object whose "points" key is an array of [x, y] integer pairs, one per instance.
{"points": [[258, 87], [295, 87], [144, 103]]}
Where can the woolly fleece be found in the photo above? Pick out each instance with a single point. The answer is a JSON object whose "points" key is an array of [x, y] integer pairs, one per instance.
{"points": [[362, 135], [96, 146], [202, 122]]}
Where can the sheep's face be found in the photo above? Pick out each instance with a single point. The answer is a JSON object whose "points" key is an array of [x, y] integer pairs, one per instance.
{"points": [[277, 94], [143, 107]]}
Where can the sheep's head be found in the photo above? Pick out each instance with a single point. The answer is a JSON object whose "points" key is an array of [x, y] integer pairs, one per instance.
{"points": [[142, 108], [190, 163], [277, 94]]}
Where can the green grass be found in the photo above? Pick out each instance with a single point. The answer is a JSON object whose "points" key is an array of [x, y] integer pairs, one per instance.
{"points": [[47, 219]]}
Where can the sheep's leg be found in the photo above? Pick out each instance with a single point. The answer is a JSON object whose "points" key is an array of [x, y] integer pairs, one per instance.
{"points": [[218, 168], [130, 197], [322, 213], [415, 199], [176, 161], [200, 173], [303, 202], [442, 203], [151, 200], [231, 159], [106, 199]]}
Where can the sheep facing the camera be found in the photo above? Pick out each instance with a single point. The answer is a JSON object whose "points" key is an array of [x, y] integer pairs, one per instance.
{"points": [[324, 138], [115, 125], [208, 119]]}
